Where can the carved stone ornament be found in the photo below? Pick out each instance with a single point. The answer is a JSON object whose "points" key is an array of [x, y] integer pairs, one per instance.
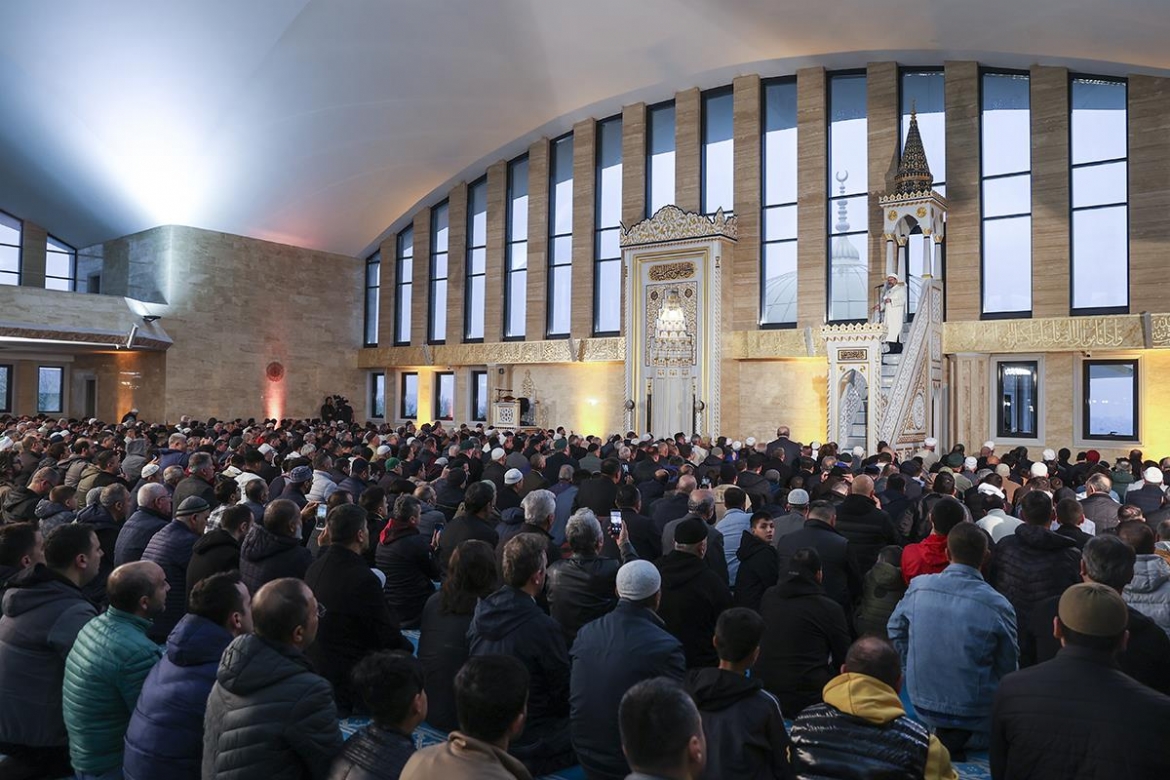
{"points": [[670, 223], [274, 371], [669, 272]]}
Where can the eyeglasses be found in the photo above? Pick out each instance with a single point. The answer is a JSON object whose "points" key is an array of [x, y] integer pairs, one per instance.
{"points": [[320, 610]]}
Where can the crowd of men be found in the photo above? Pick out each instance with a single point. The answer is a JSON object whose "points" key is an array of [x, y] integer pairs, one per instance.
{"points": [[208, 599]]}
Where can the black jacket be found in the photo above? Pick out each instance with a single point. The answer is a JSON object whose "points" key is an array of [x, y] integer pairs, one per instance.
{"points": [[611, 655], [646, 538], [447, 499], [842, 581], [216, 551], [882, 589], [581, 588], [268, 715], [759, 569], [442, 649], [1144, 658], [373, 754], [1079, 537], [1033, 564], [461, 529], [1149, 498], [1102, 510], [107, 529], [716, 557], [264, 557], [868, 530], [804, 644], [171, 549], [508, 622], [195, 486], [693, 598], [745, 730], [1080, 716], [758, 489], [494, 472], [669, 508], [20, 505], [597, 494], [356, 622], [410, 570]]}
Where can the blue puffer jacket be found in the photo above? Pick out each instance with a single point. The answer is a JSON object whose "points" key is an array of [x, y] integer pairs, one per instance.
{"points": [[171, 549], [136, 533], [165, 738], [103, 677]]}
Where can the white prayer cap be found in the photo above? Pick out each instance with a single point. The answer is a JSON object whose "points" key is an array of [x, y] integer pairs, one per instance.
{"points": [[989, 445], [859, 450], [1049, 455], [970, 463], [1153, 475], [931, 441], [750, 441], [1039, 470], [990, 490], [737, 446]]}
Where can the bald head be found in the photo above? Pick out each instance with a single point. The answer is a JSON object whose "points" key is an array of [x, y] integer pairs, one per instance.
{"points": [[863, 485], [139, 588], [686, 484], [701, 503]]}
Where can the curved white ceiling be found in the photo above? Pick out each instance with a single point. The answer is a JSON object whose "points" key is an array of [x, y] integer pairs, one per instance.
{"points": [[321, 123]]}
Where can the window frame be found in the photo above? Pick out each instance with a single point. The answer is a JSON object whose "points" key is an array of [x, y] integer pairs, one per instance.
{"points": [[19, 246], [403, 286], [1082, 398], [437, 392], [476, 373], [375, 376], [551, 259], [434, 316], [6, 397], [649, 156], [831, 199], [467, 266], [599, 229], [71, 254], [704, 97], [511, 241], [983, 219], [373, 261], [402, 380], [765, 207], [996, 431], [1074, 210], [60, 369]]}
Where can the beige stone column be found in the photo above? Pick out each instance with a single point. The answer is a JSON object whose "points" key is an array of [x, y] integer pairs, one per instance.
{"points": [[387, 306], [811, 167], [537, 303], [1050, 192], [33, 243], [584, 205], [970, 403], [1149, 192], [421, 294], [688, 134], [633, 176], [963, 213], [497, 216], [883, 116], [456, 261], [744, 282]]}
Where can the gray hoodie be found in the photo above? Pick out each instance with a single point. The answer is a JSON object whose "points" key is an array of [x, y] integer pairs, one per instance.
{"points": [[1149, 590]]}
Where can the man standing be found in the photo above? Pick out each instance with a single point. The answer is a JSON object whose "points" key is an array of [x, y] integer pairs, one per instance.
{"points": [[609, 656], [693, 595], [1079, 715], [43, 612], [759, 564], [165, 735], [269, 714], [600, 492], [701, 505], [866, 525], [735, 521], [893, 309], [107, 666], [842, 582], [930, 555], [662, 732], [1034, 563], [952, 674], [1099, 506], [105, 517]]}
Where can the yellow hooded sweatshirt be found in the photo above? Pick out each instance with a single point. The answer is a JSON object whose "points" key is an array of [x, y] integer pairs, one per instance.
{"points": [[871, 699]]}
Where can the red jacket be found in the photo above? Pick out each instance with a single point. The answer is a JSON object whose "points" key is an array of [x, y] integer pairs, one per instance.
{"points": [[926, 557]]}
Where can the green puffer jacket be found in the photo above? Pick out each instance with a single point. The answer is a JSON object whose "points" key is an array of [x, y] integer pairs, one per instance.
{"points": [[103, 677]]}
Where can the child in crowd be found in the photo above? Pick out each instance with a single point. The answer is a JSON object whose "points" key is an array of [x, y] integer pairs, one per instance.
{"points": [[882, 590]]}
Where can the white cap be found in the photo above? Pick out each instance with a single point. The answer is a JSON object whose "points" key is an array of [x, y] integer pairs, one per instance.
{"points": [[638, 580], [750, 441], [1048, 455], [970, 463], [5, 443], [737, 445], [1039, 470], [1003, 469], [989, 445], [149, 470], [930, 441], [382, 450], [498, 453], [645, 437], [991, 490], [410, 440], [245, 477], [859, 450], [265, 448], [512, 476], [1153, 475]]}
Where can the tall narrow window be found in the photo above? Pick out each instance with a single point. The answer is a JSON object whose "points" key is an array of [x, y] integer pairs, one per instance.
{"points": [[1100, 210], [403, 276], [373, 287], [476, 269], [607, 255], [60, 265], [10, 229], [718, 174], [516, 263], [1019, 399], [479, 396], [378, 395], [659, 157], [50, 381], [848, 288], [1109, 394], [6, 388], [1007, 195], [923, 92], [437, 306], [560, 236], [408, 396], [778, 251], [444, 396]]}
